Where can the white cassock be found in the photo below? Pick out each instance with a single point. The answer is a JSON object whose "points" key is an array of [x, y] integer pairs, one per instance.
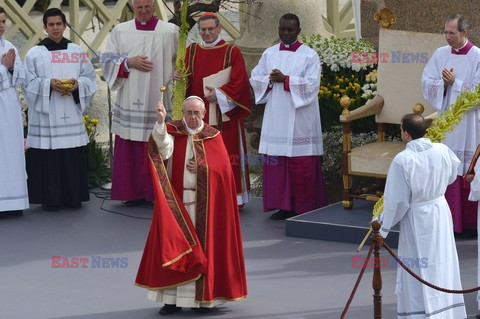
{"points": [[466, 136], [55, 121], [134, 115], [414, 197], [13, 176], [475, 196], [291, 122], [183, 295]]}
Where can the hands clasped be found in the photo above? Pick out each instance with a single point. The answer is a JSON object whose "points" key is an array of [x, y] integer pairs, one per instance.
{"points": [[276, 76], [448, 77], [8, 59]]}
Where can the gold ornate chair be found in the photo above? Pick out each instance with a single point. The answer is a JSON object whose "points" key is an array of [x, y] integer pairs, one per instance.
{"points": [[398, 90]]}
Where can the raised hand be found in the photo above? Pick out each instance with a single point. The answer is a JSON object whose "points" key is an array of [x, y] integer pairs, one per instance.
{"points": [[161, 113]]}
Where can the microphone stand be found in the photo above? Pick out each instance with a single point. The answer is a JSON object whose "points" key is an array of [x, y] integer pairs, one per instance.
{"points": [[107, 186]]}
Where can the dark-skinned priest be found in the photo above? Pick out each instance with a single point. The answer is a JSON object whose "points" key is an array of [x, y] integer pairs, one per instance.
{"points": [[287, 79]]}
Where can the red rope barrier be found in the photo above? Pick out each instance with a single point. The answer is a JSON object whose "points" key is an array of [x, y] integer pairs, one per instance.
{"points": [[452, 291], [360, 275]]}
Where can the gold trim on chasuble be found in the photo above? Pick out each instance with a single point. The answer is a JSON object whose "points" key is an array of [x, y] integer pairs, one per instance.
{"points": [[201, 213], [227, 60], [191, 60], [162, 176]]}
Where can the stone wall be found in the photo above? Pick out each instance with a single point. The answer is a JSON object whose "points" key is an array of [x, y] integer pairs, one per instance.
{"points": [[422, 16]]}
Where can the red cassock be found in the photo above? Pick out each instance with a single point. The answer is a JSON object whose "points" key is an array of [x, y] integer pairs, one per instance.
{"points": [[210, 252], [202, 62]]}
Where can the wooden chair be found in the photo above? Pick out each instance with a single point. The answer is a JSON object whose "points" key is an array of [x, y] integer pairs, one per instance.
{"points": [[398, 90]]}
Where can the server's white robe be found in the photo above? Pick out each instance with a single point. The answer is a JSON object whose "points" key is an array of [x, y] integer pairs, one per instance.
{"points": [[13, 176], [475, 196], [55, 121], [466, 136], [291, 123], [414, 197], [134, 114]]}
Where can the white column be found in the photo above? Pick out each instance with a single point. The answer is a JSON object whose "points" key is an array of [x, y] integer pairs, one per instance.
{"points": [[357, 18]]}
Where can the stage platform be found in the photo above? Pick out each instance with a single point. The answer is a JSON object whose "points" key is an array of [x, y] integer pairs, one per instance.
{"points": [[333, 223]]}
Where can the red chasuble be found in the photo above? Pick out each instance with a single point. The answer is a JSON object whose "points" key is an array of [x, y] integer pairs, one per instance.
{"points": [[176, 252], [202, 62]]}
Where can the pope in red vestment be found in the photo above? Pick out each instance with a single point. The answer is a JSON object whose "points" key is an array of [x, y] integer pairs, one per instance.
{"points": [[232, 99], [198, 239]]}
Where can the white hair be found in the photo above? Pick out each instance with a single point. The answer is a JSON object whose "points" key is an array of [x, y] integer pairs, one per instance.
{"points": [[133, 2], [194, 97]]}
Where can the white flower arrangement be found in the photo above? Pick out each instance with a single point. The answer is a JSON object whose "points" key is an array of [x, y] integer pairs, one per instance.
{"points": [[370, 87], [339, 53]]}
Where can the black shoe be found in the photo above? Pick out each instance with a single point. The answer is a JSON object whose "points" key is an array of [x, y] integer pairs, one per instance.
{"points": [[203, 309], [168, 309], [283, 214], [477, 316], [134, 203], [50, 208]]}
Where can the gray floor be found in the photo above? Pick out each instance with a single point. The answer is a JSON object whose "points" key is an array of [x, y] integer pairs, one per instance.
{"points": [[287, 277]]}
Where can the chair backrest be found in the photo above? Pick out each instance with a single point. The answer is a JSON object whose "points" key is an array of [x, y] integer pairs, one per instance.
{"points": [[402, 57]]}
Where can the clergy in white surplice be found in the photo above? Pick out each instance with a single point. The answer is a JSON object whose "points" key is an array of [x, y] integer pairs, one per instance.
{"points": [[13, 177], [287, 79], [453, 69], [139, 59], [474, 196], [414, 198], [57, 138]]}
